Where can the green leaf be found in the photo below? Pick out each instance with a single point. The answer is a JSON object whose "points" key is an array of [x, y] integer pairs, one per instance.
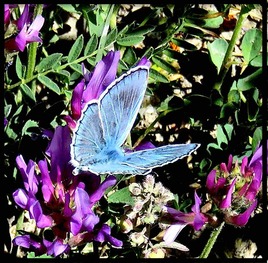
{"points": [[251, 44], [68, 7], [157, 76], [27, 92], [251, 81], [164, 65], [224, 133], [91, 45], [130, 56], [111, 37], [257, 61], [129, 40], [76, 49], [121, 196], [20, 69], [48, 62], [257, 138], [142, 30], [27, 125], [217, 50], [77, 68], [49, 83], [214, 22]]}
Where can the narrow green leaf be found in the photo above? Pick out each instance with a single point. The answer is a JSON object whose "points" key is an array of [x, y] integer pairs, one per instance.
{"points": [[129, 40], [20, 69], [256, 139], [142, 30], [77, 68], [251, 44], [48, 62], [91, 45], [76, 49], [121, 196], [27, 92], [217, 50], [164, 65], [111, 37], [130, 56], [49, 83], [157, 76]]}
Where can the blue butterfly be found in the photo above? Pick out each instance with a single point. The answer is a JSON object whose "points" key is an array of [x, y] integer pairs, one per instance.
{"points": [[103, 128]]}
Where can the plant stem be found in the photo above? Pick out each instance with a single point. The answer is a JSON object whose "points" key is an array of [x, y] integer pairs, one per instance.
{"points": [[33, 47], [213, 237], [227, 61]]}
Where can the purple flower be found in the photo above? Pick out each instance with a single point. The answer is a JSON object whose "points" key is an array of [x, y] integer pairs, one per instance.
{"points": [[57, 200], [94, 83], [28, 33], [180, 219], [234, 188], [40, 247]]}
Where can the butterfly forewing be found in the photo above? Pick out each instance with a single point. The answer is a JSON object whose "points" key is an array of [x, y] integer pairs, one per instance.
{"points": [[119, 106]]}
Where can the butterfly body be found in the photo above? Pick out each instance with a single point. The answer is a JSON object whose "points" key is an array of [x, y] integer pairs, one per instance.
{"points": [[103, 128]]}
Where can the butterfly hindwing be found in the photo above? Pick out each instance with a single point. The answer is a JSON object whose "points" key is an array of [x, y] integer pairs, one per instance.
{"points": [[155, 157], [88, 137]]}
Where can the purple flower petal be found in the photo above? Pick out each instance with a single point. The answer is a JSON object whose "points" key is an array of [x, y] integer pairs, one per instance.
{"points": [[47, 185], [36, 212], [242, 219], [59, 152], [172, 232], [76, 101], [24, 18], [56, 247], [21, 198], [96, 196], [103, 75], [210, 183], [104, 234], [144, 62], [226, 202]]}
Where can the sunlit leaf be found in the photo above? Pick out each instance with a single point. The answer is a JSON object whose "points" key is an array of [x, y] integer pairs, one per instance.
{"points": [[121, 196], [251, 44], [130, 40], [49, 83], [48, 62], [217, 50], [76, 49]]}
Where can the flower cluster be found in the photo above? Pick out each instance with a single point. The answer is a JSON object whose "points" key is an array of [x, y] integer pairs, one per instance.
{"points": [[57, 200], [145, 214], [24, 30], [234, 187]]}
